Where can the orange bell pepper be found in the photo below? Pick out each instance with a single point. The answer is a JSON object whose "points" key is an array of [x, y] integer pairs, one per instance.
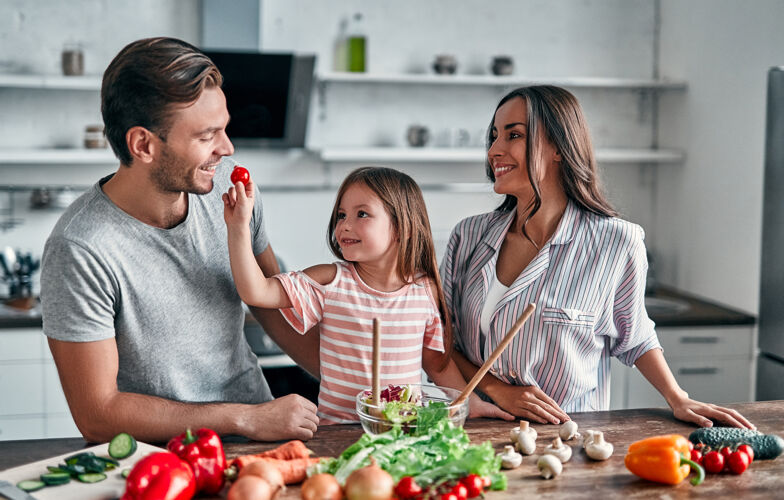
{"points": [[663, 459]]}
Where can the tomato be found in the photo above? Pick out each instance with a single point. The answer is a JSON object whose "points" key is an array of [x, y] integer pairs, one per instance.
{"points": [[449, 496], [696, 456], [240, 174], [461, 491], [486, 482], [407, 487], [738, 462], [725, 452], [691, 446], [474, 484], [748, 450], [713, 462]]}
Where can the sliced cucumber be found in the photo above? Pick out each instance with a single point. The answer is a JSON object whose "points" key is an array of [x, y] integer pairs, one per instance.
{"points": [[123, 445], [55, 478], [91, 477], [125, 473], [30, 485]]}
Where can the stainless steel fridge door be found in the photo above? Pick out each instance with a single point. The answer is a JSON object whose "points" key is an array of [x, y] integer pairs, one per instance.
{"points": [[770, 373], [771, 317]]}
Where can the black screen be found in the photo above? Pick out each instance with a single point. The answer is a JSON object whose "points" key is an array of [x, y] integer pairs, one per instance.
{"points": [[256, 87]]}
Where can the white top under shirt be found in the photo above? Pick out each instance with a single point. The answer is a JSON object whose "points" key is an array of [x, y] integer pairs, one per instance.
{"points": [[494, 294]]}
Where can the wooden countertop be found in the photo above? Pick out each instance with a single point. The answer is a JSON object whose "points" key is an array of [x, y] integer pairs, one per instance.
{"points": [[581, 479]]}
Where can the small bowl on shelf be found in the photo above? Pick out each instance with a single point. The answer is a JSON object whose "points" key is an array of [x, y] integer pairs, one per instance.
{"points": [[374, 421]]}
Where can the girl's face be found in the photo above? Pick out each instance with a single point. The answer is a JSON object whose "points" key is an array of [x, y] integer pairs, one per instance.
{"points": [[508, 154], [364, 229]]}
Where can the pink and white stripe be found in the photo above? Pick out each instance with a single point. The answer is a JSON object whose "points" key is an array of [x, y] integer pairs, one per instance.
{"points": [[588, 283], [345, 309]]}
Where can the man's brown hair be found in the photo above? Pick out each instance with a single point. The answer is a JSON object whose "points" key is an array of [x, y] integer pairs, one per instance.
{"points": [[146, 82]]}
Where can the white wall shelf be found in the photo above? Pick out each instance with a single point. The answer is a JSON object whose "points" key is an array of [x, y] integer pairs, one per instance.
{"points": [[50, 82], [501, 81], [57, 156], [477, 155]]}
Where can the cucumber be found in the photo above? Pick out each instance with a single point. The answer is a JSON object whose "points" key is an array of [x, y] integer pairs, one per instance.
{"points": [[91, 477], [30, 485], [55, 478], [125, 473], [123, 445], [766, 446]]}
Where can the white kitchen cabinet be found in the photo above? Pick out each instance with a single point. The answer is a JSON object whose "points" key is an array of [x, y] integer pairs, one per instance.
{"points": [[26, 427], [714, 364]]}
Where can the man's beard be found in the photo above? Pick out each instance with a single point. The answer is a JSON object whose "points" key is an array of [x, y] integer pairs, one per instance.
{"points": [[173, 175]]}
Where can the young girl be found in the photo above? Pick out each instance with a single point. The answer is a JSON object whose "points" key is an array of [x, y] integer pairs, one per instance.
{"points": [[380, 230]]}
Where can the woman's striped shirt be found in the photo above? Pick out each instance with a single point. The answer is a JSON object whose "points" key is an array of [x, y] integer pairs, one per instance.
{"points": [[344, 310], [588, 284]]}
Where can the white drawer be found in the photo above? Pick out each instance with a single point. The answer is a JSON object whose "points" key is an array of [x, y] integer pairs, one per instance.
{"points": [[21, 428], [54, 398], [21, 344], [719, 381], [21, 389], [702, 342], [61, 426]]}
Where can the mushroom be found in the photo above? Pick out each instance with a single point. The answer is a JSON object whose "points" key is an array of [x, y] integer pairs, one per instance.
{"points": [[568, 430], [549, 466], [559, 450], [510, 459], [598, 448], [524, 427], [526, 443], [589, 436]]}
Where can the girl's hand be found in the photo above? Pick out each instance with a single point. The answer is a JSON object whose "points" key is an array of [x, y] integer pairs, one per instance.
{"points": [[703, 414], [528, 402], [238, 204], [478, 408]]}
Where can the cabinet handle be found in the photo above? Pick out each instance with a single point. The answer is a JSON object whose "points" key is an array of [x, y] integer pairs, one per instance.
{"points": [[698, 371], [699, 340]]}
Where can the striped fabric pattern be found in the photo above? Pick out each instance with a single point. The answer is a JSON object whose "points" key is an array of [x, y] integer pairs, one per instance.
{"points": [[345, 309], [588, 283]]}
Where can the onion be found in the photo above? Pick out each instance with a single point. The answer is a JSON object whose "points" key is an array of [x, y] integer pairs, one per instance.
{"points": [[321, 487], [250, 488], [370, 483], [266, 471]]}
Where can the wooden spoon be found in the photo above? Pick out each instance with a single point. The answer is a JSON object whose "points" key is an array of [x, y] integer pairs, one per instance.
{"points": [[376, 388], [529, 310]]}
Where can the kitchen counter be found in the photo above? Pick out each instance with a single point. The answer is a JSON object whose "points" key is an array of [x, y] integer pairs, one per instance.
{"points": [[582, 478]]}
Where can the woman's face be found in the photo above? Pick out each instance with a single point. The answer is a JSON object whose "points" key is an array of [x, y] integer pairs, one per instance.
{"points": [[508, 154]]}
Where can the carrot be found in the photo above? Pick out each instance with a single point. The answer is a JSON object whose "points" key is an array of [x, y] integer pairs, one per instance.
{"points": [[293, 471], [287, 451]]}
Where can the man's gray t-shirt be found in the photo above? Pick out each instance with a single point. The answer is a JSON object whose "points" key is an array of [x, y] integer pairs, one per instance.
{"points": [[167, 296]]}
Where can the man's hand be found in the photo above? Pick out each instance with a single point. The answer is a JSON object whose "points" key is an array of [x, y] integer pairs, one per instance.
{"points": [[238, 204], [289, 417]]}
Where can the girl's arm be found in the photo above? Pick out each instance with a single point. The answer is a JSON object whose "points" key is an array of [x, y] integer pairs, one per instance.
{"points": [[654, 368], [254, 288]]}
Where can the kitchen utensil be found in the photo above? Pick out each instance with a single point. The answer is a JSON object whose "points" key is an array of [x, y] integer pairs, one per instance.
{"points": [[529, 310], [111, 487], [376, 387], [10, 258], [11, 492]]}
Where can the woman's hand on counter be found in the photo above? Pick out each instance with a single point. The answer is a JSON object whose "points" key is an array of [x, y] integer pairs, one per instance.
{"points": [[703, 414], [528, 402]]}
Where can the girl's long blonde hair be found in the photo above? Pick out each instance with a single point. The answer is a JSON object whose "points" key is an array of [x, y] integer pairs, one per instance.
{"points": [[405, 205]]}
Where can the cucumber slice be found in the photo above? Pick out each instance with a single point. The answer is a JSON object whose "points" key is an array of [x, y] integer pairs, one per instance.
{"points": [[30, 485], [123, 445], [55, 478], [125, 473], [91, 477]]}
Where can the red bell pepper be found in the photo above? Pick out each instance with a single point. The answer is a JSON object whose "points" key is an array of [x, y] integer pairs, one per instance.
{"points": [[203, 451], [160, 476]]}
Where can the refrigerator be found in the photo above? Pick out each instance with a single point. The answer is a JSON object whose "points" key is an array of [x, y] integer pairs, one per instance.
{"points": [[770, 366]]}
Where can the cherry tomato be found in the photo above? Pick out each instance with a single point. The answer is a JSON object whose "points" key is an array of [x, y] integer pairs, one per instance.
{"points": [[474, 484], [725, 452], [461, 491], [738, 462], [713, 461], [449, 496], [748, 450], [486, 482], [696, 456], [240, 174], [407, 487], [691, 446]]}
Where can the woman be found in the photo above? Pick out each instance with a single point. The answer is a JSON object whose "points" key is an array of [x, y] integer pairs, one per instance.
{"points": [[554, 241]]}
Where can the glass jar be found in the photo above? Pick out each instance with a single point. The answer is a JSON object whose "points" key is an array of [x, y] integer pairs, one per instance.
{"points": [[73, 60], [93, 137]]}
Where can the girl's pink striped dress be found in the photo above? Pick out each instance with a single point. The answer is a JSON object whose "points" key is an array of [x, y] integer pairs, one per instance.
{"points": [[345, 309]]}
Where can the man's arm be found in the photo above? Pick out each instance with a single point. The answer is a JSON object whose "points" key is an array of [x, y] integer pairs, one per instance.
{"points": [[101, 411], [303, 349]]}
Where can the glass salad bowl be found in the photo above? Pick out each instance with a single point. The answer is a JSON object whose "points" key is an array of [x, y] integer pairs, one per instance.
{"points": [[413, 407]]}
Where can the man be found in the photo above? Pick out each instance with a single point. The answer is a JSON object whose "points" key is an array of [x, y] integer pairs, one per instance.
{"points": [[143, 319]]}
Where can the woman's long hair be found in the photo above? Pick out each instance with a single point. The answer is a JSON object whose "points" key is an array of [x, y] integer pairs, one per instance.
{"points": [[405, 205], [559, 116]]}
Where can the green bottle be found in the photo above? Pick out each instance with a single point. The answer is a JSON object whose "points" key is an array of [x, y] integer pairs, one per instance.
{"points": [[356, 45]]}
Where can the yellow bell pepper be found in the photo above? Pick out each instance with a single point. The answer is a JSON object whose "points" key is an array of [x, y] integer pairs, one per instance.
{"points": [[663, 459]]}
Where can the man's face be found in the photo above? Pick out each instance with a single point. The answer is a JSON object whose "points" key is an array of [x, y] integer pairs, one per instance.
{"points": [[194, 145]]}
